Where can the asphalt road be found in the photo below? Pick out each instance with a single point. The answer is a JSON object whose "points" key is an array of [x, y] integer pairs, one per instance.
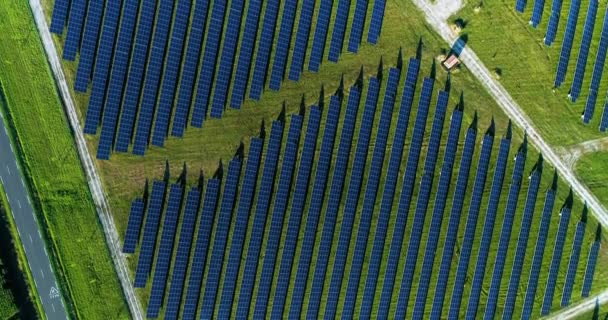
{"points": [[29, 230]]}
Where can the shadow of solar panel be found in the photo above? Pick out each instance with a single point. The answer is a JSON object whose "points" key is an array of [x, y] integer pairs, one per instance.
{"points": [[89, 45], [136, 217], [583, 54], [337, 37], [283, 44], [375, 25], [356, 29], [320, 38], [264, 47], [302, 35], [59, 17], [76, 21], [564, 56]]}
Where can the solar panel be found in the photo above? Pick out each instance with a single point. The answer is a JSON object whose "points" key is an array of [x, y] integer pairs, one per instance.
{"points": [[406, 196], [422, 203], [352, 196], [165, 251], [556, 8], [537, 12], [200, 251], [375, 25], [136, 217], [207, 71], [356, 28], [117, 79], [89, 44], [371, 193], [564, 56], [240, 226], [148, 244], [171, 72], [265, 46], [222, 228], [136, 72], [182, 256], [290, 155], [315, 206], [320, 38], [72, 39], [505, 233], [60, 14], [520, 5], [337, 37], [604, 123], [558, 250], [591, 262], [297, 206], [222, 82], [241, 78], [441, 195], [581, 62], [522, 242], [539, 252], [259, 221], [598, 69], [389, 187], [573, 264], [488, 229], [190, 68], [283, 43], [301, 44], [334, 200]]}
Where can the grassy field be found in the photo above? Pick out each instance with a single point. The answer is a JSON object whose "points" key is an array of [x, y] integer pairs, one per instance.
{"points": [[592, 170], [51, 162], [124, 175]]}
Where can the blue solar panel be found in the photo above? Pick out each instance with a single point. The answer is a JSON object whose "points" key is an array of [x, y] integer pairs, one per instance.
{"points": [[60, 14], [522, 242], [371, 192], [182, 257], [598, 69], [240, 226], [389, 188], [352, 197], [72, 39], [89, 45], [259, 223], [297, 206], [590, 269], [556, 8], [148, 244], [356, 29], [222, 228], [278, 214], [136, 72], [136, 217], [520, 6], [581, 62], [283, 43], [564, 56], [102, 68], [265, 47], [505, 233], [406, 197], [573, 264], [119, 71], [171, 72], [443, 187], [207, 72], [222, 82], [301, 44], [165, 251], [200, 251], [316, 204], [375, 25], [320, 37], [241, 78], [537, 12], [337, 37], [488, 230], [334, 199], [604, 123], [558, 250], [422, 202], [539, 252]]}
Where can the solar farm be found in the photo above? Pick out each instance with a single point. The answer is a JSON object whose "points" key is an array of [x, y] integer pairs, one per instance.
{"points": [[312, 159]]}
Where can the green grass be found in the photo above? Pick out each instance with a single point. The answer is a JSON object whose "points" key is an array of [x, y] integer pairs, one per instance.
{"points": [[49, 156], [124, 175], [598, 313], [592, 170]]}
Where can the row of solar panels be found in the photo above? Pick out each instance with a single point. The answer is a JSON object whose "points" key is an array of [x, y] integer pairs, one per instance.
{"points": [[219, 258], [133, 55], [583, 54]]}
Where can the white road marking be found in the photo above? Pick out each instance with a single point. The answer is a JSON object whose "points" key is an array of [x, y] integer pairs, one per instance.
{"points": [[19, 203], [31, 240], [39, 235], [42, 273], [8, 169], [52, 305]]}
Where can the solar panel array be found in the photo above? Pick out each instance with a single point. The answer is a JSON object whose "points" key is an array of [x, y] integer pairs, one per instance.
{"points": [[604, 123], [598, 70], [583, 54], [520, 5], [556, 8], [573, 263], [356, 28], [564, 56], [136, 217], [591, 263], [376, 23], [537, 12], [144, 89]]}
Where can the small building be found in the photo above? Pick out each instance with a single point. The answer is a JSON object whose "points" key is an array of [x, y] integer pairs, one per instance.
{"points": [[451, 62]]}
